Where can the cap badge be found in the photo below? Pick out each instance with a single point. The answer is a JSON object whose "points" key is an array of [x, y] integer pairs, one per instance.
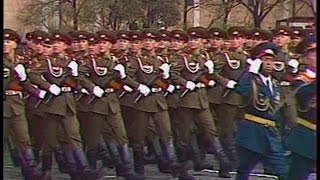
{"points": [[7, 35]]}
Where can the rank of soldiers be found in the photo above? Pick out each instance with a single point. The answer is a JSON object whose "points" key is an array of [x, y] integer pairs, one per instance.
{"points": [[170, 97]]}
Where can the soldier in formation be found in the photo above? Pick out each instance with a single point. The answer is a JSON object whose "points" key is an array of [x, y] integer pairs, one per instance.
{"points": [[170, 97]]}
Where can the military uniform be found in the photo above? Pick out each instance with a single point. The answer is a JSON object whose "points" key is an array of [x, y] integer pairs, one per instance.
{"points": [[301, 138], [152, 106], [15, 82], [194, 105], [257, 136], [53, 75], [284, 73]]}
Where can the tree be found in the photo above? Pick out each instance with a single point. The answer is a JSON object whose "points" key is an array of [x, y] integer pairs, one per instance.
{"points": [[259, 9]]}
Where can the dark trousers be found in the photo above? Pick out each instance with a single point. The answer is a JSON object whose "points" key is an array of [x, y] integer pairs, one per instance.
{"points": [[275, 160], [300, 167]]}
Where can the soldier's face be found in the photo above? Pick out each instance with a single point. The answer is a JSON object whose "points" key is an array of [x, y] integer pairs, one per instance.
{"points": [[163, 44], [149, 44], [59, 46], [177, 44], [135, 46], [47, 49], [83, 45], [38, 47], [195, 43], [93, 48], [75, 45], [8, 46], [257, 41], [30, 44], [104, 46], [311, 60], [295, 41], [216, 42], [237, 42], [267, 63], [123, 44], [282, 40]]}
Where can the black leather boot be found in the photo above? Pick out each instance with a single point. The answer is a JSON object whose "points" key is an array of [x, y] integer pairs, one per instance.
{"points": [[224, 162], [14, 157], [115, 155], [183, 158], [125, 164], [199, 162], [92, 158], [71, 165], [83, 168], [150, 156], [61, 160], [162, 161], [138, 163], [104, 155], [28, 165], [229, 146], [46, 166]]}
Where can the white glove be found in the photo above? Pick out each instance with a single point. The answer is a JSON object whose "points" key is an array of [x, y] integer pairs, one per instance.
{"points": [[54, 89], [171, 88], [295, 64], [97, 91], [231, 84], [42, 94], [210, 66], [74, 68], [190, 85], [21, 71], [255, 65], [127, 88], [211, 83], [121, 70], [166, 70], [144, 89], [84, 91]]}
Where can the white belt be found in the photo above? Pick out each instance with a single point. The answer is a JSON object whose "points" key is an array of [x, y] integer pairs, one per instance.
{"points": [[66, 89], [13, 93], [285, 83], [155, 90], [200, 85], [109, 90]]}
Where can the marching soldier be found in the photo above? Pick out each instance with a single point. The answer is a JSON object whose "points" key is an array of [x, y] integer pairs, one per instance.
{"points": [[301, 139], [104, 111], [231, 107], [260, 36], [56, 76], [151, 105], [285, 69], [257, 136], [193, 103], [297, 36], [14, 82]]}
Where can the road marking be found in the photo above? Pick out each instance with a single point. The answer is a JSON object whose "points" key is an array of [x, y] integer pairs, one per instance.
{"points": [[251, 174]]}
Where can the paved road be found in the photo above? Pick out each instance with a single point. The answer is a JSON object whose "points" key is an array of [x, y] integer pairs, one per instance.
{"points": [[12, 173]]}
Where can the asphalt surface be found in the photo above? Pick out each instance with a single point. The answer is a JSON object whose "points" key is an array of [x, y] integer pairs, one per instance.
{"points": [[151, 171]]}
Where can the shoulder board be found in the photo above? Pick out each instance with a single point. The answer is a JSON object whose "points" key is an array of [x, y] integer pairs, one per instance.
{"points": [[305, 77]]}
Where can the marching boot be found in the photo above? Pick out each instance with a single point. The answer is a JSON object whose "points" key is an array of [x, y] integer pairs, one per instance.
{"points": [[61, 160], [71, 165], [163, 163], [104, 155], [183, 158], [46, 166], [14, 157], [83, 168], [92, 158], [231, 151], [224, 162], [28, 165], [199, 162], [115, 155], [126, 166], [176, 167], [150, 156], [138, 163]]}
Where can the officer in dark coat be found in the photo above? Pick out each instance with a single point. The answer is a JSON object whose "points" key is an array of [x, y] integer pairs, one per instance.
{"points": [[257, 137], [302, 138]]}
